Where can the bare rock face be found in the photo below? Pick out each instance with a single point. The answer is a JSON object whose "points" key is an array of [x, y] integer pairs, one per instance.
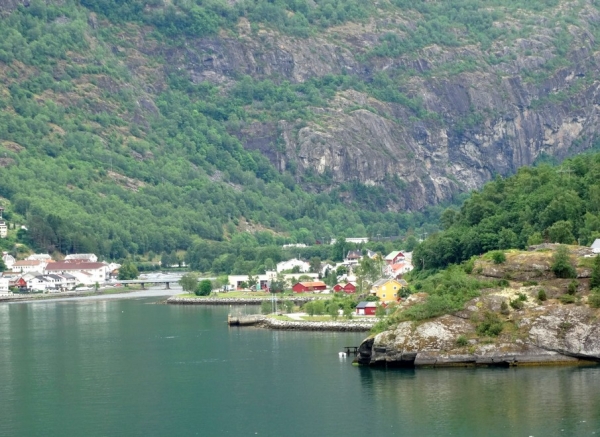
{"points": [[571, 331], [471, 125]]}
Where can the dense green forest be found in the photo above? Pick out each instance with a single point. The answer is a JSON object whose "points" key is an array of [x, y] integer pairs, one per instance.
{"points": [[98, 156], [537, 205], [85, 170]]}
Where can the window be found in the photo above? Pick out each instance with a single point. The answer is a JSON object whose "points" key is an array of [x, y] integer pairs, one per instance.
{"points": [[383, 295]]}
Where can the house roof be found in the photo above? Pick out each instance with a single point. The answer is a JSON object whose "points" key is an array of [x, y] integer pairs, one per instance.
{"points": [[354, 254], [80, 256], [58, 266], [363, 305], [596, 244], [313, 284], [383, 281], [390, 256], [27, 263]]}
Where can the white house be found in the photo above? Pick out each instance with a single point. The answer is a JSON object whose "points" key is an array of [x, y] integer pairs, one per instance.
{"points": [[29, 266], [85, 257], [39, 257], [3, 229], [9, 260], [596, 246], [87, 273], [290, 264], [4, 291], [39, 283], [263, 281]]}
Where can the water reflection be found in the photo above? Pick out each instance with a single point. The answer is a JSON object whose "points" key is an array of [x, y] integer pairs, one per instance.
{"points": [[493, 402]]}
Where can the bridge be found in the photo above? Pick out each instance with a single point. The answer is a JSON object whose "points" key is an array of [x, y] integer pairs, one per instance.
{"points": [[156, 281]]}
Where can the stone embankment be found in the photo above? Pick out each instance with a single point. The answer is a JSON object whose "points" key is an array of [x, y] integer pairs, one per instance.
{"points": [[338, 326], [232, 300]]}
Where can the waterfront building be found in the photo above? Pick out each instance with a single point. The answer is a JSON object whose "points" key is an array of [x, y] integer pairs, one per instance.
{"points": [[387, 290], [366, 308], [303, 287]]}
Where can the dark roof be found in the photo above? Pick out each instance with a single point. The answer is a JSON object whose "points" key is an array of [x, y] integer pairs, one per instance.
{"points": [[362, 305]]}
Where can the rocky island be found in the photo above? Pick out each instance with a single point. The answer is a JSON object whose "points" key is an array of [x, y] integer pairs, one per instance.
{"points": [[529, 321]]}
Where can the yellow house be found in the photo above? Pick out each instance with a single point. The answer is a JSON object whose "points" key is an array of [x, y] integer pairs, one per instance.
{"points": [[386, 290]]}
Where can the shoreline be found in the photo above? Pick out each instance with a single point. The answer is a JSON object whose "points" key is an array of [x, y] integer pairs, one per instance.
{"points": [[267, 322], [124, 293], [174, 300]]}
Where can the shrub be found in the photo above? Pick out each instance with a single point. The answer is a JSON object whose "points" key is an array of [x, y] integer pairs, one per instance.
{"points": [[491, 325], [522, 297], [265, 307], [529, 283], [498, 257], [462, 341], [572, 287], [594, 299], [204, 288], [567, 298], [504, 308], [561, 263], [542, 295], [595, 280], [469, 265], [517, 304], [503, 283]]}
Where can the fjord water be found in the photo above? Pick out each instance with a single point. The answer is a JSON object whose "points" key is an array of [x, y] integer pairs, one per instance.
{"points": [[132, 368]]}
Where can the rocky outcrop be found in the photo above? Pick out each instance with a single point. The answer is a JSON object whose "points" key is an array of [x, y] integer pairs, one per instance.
{"points": [[543, 335]]}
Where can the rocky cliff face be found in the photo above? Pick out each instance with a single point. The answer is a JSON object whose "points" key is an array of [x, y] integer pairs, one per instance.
{"points": [[492, 118]]}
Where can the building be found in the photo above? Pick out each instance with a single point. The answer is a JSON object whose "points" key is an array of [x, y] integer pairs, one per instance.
{"points": [[236, 282], [29, 266], [366, 308], [3, 229], [4, 290], [86, 273], [596, 246], [387, 290], [304, 287], [9, 260], [338, 288], [394, 257], [81, 257], [350, 287], [397, 270], [39, 257], [302, 266]]}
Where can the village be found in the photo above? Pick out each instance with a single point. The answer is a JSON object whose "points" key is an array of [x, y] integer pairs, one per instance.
{"points": [[40, 273], [381, 287]]}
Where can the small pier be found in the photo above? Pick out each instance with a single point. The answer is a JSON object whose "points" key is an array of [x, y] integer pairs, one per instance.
{"points": [[351, 350], [243, 320]]}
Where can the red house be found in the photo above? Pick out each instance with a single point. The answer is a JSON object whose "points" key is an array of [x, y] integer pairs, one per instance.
{"points": [[394, 257], [303, 287], [350, 287], [338, 287], [366, 308]]}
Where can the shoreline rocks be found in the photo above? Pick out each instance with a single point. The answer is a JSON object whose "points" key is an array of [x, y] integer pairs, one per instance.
{"points": [[174, 300]]}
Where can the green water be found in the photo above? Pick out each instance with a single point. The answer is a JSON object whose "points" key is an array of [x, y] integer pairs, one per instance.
{"points": [[131, 368]]}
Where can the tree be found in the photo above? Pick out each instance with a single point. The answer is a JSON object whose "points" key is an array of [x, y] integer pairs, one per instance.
{"points": [[2, 265], [204, 288], [278, 284], [315, 264], [595, 280], [333, 309], [561, 263], [128, 271], [189, 282], [561, 232]]}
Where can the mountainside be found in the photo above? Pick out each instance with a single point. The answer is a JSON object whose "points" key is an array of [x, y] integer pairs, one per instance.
{"points": [[147, 122]]}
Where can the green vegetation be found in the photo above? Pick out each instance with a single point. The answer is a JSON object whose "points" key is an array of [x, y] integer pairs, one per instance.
{"points": [[542, 295], [189, 282], [498, 257], [128, 271], [204, 288], [490, 326], [594, 298], [522, 209], [562, 265], [462, 341]]}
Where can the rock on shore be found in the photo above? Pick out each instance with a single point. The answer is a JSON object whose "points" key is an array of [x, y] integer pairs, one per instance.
{"points": [[543, 334]]}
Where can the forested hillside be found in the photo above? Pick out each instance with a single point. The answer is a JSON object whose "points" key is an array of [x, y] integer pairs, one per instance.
{"points": [[537, 205], [146, 125]]}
